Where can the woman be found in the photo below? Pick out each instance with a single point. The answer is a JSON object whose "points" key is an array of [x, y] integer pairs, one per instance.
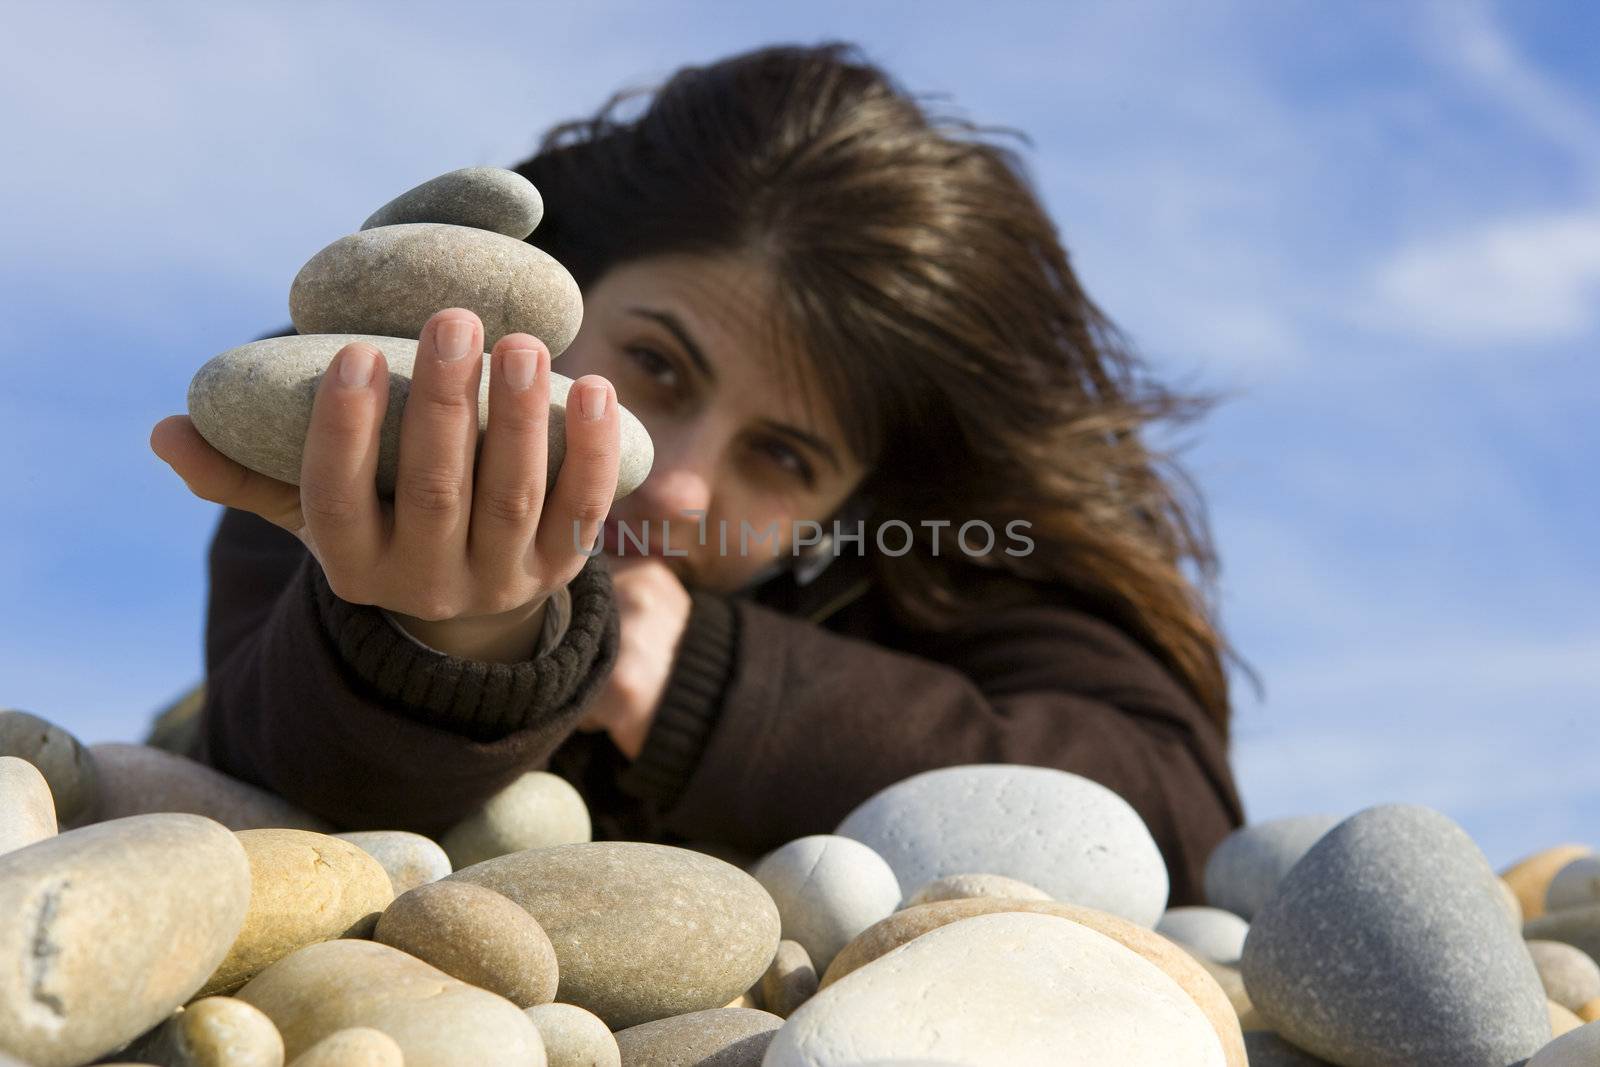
{"points": [[825, 305]]}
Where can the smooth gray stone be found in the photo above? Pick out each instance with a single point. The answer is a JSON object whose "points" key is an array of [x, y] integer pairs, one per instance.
{"points": [[1247, 865], [1576, 884], [1387, 946], [1214, 933], [393, 279], [1577, 926], [410, 859], [253, 403], [63, 761], [1267, 1049], [828, 889], [574, 1037], [717, 1037], [1575, 1048], [27, 814], [1570, 975], [139, 780], [485, 198]]}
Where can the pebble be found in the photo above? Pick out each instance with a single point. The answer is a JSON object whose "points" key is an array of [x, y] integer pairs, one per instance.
{"points": [[828, 889], [1562, 1020], [436, 1020], [27, 812], [1574, 885], [485, 198], [1571, 977], [1513, 906], [1267, 1049], [140, 780], [1577, 926], [409, 859], [1232, 984], [392, 279], [305, 887], [999, 990], [1071, 837], [790, 981], [1247, 865], [1589, 1010], [1530, 876], [65, 763], [726, 1037], [474, 934], [359, 1046], [103, 934], [212, 1032], [1576, 1048], [1212, 932], [574, 1037], [913, 923], [642, 931], [537, 810], [253, 403], [963, 886], [1387, 944]]}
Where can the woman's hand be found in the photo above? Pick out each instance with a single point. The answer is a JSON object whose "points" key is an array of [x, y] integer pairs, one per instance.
{"points": [[470, 548], [654, 609]]}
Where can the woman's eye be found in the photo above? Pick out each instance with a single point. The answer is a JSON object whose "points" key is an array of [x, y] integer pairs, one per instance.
{"points": [[788, 459], [654, 364]]}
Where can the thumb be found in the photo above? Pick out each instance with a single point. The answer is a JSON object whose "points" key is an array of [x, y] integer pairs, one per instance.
{"points": [[212, 476]]}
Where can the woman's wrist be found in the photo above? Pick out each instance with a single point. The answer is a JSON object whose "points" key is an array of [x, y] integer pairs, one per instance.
{"points": [[510, 637]]}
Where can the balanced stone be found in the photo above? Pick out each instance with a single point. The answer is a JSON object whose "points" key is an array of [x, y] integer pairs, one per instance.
{"points": [[253, 404], [1570, 976], [213, 1032], [1246, 867], [474, 934], [436, 1020], [1212, 932], [359, 1046], [1577, 926], [1530, 876], [1387, 945], [537, 810], [1576, 884], [485, 198], [1071, 837], [305, 887], [1577, 1048], [962, 886], [641, 931], [65, 763], [726, 1037], [106, 929], [999, 990], [140, 780], [1267, 1049], [828, 889], [790, 981], [410, 859], [27, 812], [574, 1037], [392, 279]]}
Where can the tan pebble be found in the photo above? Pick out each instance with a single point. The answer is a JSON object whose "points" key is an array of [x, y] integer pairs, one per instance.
{"points": [[477, 935], [965, 886], [574, 1037], [743, 1000], [1530, 877], [410, 859], [538, 810], [1589, 1011], [27, 811], [1571, 977], [735, 1037], [359, 1046], [790, 981], [212, 1032], [1562, 1020]]}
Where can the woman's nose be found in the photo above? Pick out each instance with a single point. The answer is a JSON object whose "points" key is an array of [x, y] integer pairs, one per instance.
{"points": [[675, 491]]}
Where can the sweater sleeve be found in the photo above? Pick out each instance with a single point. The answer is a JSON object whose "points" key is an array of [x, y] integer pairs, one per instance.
{"points": [[773, 727], [330, 705]]}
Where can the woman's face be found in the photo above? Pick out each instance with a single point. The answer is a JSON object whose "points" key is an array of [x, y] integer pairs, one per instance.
{"points": [[683, 339]]}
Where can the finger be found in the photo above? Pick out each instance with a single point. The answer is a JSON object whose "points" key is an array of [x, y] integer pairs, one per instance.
{"points": [[438, 438], [587, 482], [338, 470], [508, 481], [212, 476]]}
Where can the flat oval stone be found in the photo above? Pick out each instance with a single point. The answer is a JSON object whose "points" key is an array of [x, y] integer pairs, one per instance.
{"points": [[392, 279], [790, 981], [27, 811], [1247, 865], [106, 929], [1574, 885], [1213, 932], [305, 887], [140, 780], [63, 761], [212, 1032], [537, 810], [359, 1046], [1387, 945], [727, 1037], [828, 889], [1069, 836], [964, 886], [253, 404], [474, 934], [1577, 1048], [410, 859], [1530, 876], [574, 1037], [999, 990], [642, 931], [1570, 976], [436, 1020], [485, 198]]}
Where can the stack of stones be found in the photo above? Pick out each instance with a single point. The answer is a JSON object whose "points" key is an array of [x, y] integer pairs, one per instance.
{"points": [[459, 240], [155, 911]]}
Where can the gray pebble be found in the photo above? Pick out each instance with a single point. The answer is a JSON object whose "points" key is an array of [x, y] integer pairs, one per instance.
{"points": [[138, 780], [1212, 932], [790, 981], [27, 814], [63, 761], [1267, 1049], [1578, 926], [410, 859], [717, 1037], [574, 1037], [1245, 868], [1571, 977], [828, 889], [1576, 884], [485, 198], [1575, 1048]]}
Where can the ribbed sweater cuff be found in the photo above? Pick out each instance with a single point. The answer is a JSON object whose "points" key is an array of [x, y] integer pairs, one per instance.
{"points": [[691, 704], [483, 700]]}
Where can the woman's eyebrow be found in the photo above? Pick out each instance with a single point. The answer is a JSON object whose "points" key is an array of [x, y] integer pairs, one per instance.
{"points": [[670, 322]]}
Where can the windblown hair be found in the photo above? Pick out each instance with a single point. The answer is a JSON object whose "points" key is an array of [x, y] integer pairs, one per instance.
{"points": [[919, 274]]}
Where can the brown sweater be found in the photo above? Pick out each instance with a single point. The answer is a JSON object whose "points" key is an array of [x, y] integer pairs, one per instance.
{"points": [[786, 707]]}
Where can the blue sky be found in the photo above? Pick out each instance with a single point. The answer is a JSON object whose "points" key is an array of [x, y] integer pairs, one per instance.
{"points": [[1376, 225]]}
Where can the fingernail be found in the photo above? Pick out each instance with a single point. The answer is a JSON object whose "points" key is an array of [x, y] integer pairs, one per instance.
{"points": [[517, 367], [356, 366], [592, 399], [450, 340]]}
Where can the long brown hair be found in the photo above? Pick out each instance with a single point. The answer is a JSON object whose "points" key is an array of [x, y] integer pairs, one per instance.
{"points": [[929, 290]]}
